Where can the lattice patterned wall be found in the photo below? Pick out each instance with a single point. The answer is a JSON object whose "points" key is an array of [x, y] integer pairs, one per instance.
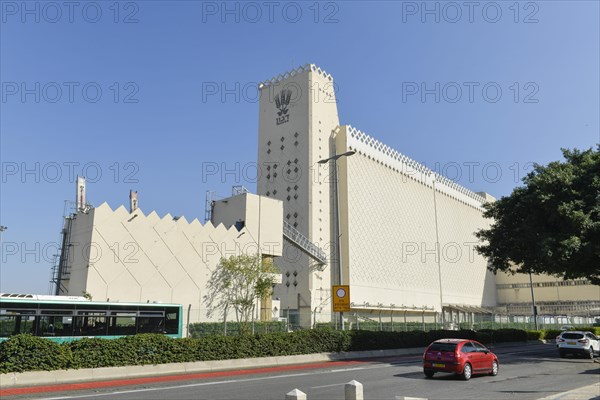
{"points": [[390, 224]]}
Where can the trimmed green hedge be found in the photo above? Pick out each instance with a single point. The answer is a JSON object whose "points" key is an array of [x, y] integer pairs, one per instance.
{"points": [[201, 329], [505, 335], [28, 353]]}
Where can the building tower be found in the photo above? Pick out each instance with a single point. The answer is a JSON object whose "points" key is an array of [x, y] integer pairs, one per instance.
{"points": [[298, 114]]}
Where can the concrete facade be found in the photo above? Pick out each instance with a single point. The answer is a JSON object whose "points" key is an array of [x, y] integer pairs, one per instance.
{"points": [[295, 132], [386, 203], [393, 213], [119, 255]]}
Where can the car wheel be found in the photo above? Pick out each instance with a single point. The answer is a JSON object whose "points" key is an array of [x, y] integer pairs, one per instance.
{"points": [[494, 368], [467, 372], [591, 353], [428, 373]]}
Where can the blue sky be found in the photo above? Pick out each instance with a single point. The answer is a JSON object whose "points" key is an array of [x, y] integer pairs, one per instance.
{"points": [[154, 126]]}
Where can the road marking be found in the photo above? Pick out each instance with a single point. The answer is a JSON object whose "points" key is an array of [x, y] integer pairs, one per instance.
{"points": [[347, 369], [170, 378], [179, 386], [325, 386], [215, 383]]}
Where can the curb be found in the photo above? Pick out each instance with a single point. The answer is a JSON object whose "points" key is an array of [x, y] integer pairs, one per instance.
{"points": [[35, 378], [583, 393]]}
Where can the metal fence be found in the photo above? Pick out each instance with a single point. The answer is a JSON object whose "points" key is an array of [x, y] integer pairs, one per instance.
{"points": [[392, 322]]}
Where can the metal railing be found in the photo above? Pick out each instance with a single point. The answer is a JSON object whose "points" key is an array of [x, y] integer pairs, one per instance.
{"points": [[294, 236]]}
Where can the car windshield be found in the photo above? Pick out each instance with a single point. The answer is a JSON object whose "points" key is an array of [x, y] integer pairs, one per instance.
{"points": [[443, 347], [572, 335]]}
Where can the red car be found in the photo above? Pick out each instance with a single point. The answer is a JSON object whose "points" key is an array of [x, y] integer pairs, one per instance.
{"points": [[460, 356]]}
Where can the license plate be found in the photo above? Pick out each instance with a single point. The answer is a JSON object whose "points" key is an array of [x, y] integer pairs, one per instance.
{"points": [[572, 343], [436, 365]]}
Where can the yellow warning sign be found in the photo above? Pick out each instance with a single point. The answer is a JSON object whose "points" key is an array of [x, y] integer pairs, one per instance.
{"points": [[341, 298]]}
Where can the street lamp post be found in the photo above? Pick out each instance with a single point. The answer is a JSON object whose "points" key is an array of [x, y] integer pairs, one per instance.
{"points": [[438, 255], [337, 216], [533, 307]]}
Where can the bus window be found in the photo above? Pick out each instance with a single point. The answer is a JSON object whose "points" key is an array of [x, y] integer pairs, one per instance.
{"points": [[122, 323], [172, 322], [90, 324], [55, 326], [151, 324], [55, 323], [8, 325]]}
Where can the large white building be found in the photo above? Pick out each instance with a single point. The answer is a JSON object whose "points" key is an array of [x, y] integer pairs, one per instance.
{"points": [[127, 255], [406, 233], [393, 210]]}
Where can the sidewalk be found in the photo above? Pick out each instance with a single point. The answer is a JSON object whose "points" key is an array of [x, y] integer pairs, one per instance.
{"points": [[591, 392]]}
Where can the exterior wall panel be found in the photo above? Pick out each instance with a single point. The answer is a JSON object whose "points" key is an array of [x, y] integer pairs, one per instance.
{"points": [[390, 230], [138, 258]]}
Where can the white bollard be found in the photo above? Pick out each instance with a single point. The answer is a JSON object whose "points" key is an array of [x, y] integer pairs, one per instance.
{"points": [[295, 395], [353, 390]]}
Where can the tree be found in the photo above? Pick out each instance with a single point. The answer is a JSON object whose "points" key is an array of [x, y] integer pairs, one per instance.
{"points": [[551, 225], [237, 282]]}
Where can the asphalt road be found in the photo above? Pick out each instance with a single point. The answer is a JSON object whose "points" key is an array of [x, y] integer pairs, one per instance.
{"points": [[526, 372]]}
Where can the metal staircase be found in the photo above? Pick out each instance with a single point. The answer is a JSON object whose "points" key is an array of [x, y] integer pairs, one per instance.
{"points": [[296, 238], [61, 269]]}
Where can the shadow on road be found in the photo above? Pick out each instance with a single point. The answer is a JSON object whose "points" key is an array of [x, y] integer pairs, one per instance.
{"points": [[440, 376], [593, 371]]}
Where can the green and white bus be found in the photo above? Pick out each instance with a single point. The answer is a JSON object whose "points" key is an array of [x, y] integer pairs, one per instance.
{"points": [[66, 318]]}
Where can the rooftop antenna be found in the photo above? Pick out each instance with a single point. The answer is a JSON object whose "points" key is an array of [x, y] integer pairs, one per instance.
{"points": [[80, 194], [133, 201]]}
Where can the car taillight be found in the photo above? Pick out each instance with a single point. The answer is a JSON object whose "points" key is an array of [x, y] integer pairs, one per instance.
{"points": [[584, 341], [561, 340]]}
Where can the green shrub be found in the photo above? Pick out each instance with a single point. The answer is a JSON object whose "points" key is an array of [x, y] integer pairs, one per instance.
{"points": [[551, 334], [483, 337], [27, 353], [535, 335], [96, 353], [30, 353], [594, 329], [506, 335], [201, 329]]}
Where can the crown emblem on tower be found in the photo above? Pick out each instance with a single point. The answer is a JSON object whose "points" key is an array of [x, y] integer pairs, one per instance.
{"points": [[282, 101]]}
